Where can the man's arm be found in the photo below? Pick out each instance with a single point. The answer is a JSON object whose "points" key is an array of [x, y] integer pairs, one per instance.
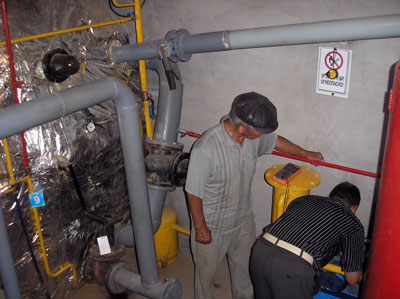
{"points": [[284, 145], [352, 277], [203, 234]]}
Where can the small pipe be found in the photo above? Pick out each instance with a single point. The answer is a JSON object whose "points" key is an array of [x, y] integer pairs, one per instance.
{"points": [[333, 268], [60, 269], [122, 4], [344, 168], [8, 161], [13, 76], [149, 125], [142, 69], [57, 32], [181, 229]]}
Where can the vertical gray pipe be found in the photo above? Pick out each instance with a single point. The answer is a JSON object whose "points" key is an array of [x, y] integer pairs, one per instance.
{"points": [[169, 104], [18, 118], [166, 132], [7, 269]]}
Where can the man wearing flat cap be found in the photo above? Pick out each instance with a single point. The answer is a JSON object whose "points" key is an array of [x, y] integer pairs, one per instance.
{"points": [[221, 168]]}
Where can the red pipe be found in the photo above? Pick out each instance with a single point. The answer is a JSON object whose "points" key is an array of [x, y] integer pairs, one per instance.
{"points": [[344, 168], [382, 278], [13, 76]]}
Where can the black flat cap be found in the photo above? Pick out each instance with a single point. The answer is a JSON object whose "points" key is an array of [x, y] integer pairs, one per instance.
{"points": [[257, 111]]}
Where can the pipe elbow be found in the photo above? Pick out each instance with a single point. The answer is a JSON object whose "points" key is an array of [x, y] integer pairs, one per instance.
{"points": [[123, 97]]}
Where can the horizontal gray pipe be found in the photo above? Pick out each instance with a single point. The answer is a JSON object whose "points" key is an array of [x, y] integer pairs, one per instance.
{"points": [[285, 35], [143, 50], [18, 118]]}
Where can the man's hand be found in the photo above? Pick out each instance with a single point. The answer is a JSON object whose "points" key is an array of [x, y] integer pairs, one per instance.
{"points": [[286, 146], [203, 235], [313, 156]]}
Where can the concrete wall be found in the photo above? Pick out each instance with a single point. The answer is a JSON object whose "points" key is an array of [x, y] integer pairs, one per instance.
{"points": [[347, 131]]}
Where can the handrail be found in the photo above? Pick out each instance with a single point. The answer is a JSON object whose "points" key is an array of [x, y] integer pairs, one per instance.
{"points": [[344, 168]]}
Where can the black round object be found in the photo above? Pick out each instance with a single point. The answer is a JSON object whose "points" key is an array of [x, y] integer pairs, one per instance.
{"points": [[257, 111], [333, 282], [58, 65]]}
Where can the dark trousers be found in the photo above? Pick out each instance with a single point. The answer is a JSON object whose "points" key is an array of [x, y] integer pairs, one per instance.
{"points": [[279, 274]]}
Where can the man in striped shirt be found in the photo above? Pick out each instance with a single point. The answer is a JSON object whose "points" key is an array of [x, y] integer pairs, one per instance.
{"points": [[305, 238], [221, 169]]}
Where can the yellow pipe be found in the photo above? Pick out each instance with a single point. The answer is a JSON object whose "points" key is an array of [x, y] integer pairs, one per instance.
{"points": [[28, 38], [149, 130], [60, 269], [142, 70], [333, 268], [122, 5], [181, 229], [8, 161]]}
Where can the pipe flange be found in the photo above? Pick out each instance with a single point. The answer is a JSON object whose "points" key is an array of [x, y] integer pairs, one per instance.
{"points": [[174, 40], [112, 285], [172, 289], [179, 169], [157, 143]]}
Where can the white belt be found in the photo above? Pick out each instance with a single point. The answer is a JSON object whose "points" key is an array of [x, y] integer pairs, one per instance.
{"points": [[289, 247]]}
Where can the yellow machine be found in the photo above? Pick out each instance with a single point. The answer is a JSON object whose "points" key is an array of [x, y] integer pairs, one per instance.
{"points": [[283, 194]]}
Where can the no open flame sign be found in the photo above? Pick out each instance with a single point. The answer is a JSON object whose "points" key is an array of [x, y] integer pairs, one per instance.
{"points": [[333, 73]]}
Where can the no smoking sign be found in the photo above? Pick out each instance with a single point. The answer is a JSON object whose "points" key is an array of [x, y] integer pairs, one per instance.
{"points": [[333, 72]]}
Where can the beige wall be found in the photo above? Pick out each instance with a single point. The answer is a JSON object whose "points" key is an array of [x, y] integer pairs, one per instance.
{"points": [[347, 131]]}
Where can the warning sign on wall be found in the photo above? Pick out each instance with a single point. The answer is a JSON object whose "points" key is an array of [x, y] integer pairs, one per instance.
{"points": [[333, 75]]}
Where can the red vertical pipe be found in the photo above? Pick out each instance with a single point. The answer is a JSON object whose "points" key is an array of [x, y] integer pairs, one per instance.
{"points": [[382, 279], [13, 76]]}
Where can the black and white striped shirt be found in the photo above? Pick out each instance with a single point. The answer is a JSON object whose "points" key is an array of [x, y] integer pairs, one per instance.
{"points": [[322, 227]]}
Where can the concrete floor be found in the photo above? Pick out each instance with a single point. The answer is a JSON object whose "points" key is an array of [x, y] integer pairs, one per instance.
{"points": [[182, 269]]}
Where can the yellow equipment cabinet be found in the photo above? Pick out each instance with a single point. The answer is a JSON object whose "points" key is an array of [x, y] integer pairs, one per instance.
{"points": [[300, 185], [166, 238]]}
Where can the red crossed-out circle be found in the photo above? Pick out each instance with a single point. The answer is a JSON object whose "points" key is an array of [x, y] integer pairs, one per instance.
{"points": [[330, 56]]}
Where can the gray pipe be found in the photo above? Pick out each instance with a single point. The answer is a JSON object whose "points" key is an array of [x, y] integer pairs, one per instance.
{"points": [[144, 50], [18, 118], [166, 132], [123, 233], [169, 104], [7, 269], [183, 44]]}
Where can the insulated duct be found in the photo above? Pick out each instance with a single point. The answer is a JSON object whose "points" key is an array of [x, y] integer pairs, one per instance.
{"points": [[18, 118], [180, 45]]}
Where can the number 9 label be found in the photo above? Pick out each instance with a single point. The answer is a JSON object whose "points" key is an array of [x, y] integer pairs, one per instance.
{"points": [[37, 199]]}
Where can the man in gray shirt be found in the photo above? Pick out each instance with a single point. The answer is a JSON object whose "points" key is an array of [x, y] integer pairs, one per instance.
{"points": [[221, 169]]}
